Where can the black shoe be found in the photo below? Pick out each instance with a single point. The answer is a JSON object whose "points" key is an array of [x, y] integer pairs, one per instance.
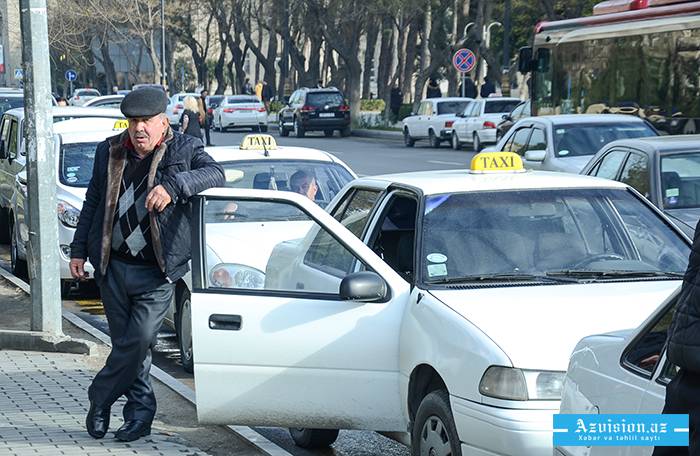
{"points": [[209, 144], [97, 421], [133, 430]]}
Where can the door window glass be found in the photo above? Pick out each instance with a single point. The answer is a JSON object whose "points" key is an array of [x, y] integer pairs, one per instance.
{"points": [[610, 164], [271, 245], [518, 141], [644, 353], [538, 140], [394, 235], [636, 173], [12, 141], [354, 213]]}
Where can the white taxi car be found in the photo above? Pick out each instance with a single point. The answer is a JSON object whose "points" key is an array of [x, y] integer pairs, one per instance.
{"points": [[258, 163], [442, 303], [625, 372]]}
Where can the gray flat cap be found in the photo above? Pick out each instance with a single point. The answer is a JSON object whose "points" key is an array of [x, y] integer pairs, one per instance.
{"points": [[144, 102]]}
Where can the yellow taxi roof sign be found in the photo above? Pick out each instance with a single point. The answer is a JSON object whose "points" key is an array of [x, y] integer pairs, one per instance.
{"points": [[497, 162], [258, 142], [121, 124]]}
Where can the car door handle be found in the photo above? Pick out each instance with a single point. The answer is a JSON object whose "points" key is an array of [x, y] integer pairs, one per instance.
{"points": [[225, 322]]}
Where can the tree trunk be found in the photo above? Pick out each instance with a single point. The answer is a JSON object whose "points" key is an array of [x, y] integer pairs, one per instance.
{"points": [[386, 57], [424, 55], [313, 73], [108, 64], [368, 67], [410, 65]]}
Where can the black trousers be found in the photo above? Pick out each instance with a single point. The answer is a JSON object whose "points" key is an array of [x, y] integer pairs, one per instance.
{"points": [[136, 299], [206, 128], [683, 397]]}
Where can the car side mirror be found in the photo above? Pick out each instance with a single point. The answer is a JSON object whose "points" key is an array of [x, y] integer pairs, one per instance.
{"points": [[525, 60], [535, 155], [413, 113], [363, 286], [506, 117], [3, 150], [22, 177]]}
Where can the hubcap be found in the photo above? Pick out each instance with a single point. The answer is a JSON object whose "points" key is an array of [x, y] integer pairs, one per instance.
{"points": [[186, 329], [434, 439]]}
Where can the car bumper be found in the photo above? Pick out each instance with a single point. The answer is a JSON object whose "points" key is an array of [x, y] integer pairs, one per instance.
{"points": [[445, 135], [488, 136], [489, 431], [325, 123], [65, 237], [243, 120]]}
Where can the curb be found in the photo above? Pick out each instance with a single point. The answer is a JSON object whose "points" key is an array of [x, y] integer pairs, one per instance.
{"points": [[244, 432], [378, 134]]}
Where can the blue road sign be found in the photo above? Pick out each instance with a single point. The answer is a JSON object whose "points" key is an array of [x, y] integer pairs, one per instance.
{"points": [[19, 74], [464, 60], [71, 75]]}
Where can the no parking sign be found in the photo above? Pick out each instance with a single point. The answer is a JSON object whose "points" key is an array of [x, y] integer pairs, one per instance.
{"points": [[464, 60]]}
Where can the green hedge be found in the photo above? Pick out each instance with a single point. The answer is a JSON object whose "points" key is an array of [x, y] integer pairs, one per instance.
{"points": [[376, 104], [276, 106], [405, 111]]}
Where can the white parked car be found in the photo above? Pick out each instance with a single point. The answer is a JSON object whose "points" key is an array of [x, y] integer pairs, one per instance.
{"points": [[433, 120], [81, 96], [259, 169], [477, 124], [106, 101], [176, 107], [437, 302], [623, 372], [75, 143], [240, 111], [567, 142]]}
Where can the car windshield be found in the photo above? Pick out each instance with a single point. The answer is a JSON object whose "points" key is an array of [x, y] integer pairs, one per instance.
{"points": [[586, 139], [9, 102], [87, 93], [324, 98], [75, 163], [276, 175], [680, 180], [451, 107], [214, 101], [541, 232], [240, 100], [500, 106]]}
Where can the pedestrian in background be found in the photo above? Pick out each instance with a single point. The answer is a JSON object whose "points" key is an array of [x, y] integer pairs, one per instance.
{"points": [[433, 90], [469, 88], [247, 87], [487, 88], [395, 100], [258, 90], [266, 95], [206, 126], [189, 120], [134, 228], [319, 84]]}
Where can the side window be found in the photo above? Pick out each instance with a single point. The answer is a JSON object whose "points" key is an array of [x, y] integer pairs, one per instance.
{"points": [[538, 140], [518, 141], [610, 164], [425, 108], [476, 109], [644, 353], [517, 112], [12, 140], [636, 173], [353, 213], [394, 235]]}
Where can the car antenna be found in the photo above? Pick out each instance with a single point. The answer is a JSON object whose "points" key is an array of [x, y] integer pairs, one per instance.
{"points": [[265, 151]]}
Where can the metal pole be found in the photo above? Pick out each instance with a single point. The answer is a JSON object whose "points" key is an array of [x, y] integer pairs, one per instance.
{"points": [[464, 85], [163, 73], [41, 170], [506, 34]]}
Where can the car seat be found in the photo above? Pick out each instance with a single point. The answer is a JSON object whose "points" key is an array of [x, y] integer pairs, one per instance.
{"points": [[671, 188], [261, 181]]}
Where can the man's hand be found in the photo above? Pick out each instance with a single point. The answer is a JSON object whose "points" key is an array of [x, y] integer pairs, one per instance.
{"points": [[158, 199], [77, 268]]}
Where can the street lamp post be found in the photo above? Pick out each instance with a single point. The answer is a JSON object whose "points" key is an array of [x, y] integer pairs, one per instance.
{"points": [[163, 74], [487, 38]]}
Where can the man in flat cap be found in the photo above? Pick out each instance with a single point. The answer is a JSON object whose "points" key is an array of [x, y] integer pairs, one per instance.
{"points": [[135, 229]]}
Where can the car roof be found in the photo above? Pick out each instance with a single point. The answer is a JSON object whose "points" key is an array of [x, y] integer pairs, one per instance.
{"points": [[458, 181], [571, 119], [78, 111], [241, 97], [502, 99], [85, 136], [87, 124], [84, 89], [184, 94], [233, 153], [661, 144], [104, 98], [448, 99]]}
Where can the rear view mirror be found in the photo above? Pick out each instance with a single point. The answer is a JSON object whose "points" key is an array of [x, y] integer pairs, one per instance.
{"points": [[525, 60], [363, 286], [3, 150], [22, 177], [535, 155]]}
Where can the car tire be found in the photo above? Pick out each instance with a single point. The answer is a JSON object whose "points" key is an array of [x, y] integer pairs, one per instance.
{"points": [[499, 135], [328, 133], [433, 140], [313, 438], [19, 266], [183, 327], [345, 132], [263, 128], [455, 141], [434, 431], [66, 287], [299, 131], [4, 226], [283, 131], [476, 143], [408, 141]]}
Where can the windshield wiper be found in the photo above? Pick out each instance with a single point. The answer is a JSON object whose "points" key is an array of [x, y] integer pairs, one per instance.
{"points": [[504, 277], [611, 274]]}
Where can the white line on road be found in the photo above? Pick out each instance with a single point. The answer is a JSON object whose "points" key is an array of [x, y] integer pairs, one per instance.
{"points": [[438, 162]]}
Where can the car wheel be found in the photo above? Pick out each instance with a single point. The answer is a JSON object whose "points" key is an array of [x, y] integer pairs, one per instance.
{"points": [[263, 128], [477, 143], [19, 266], [434, 431], [299, 131], [407, 140], [433, 140], [313, 438], [183, 327], [4, 227], [499, 135], [283, 131], [345, 132], [455, 141], [328, 133]]}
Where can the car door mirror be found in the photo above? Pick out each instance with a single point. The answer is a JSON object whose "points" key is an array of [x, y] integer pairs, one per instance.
{"points": [[3, 150], [525, 60], [413, 113], [22, 177], [506, 117], [535, 155], [363, 286]]}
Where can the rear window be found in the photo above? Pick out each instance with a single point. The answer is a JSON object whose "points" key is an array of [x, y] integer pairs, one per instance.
{"points": [[451, 107], [88, 93], [586, 139], [498, 106], [75, 164], [324, 98], [9, 102], [236, 100]]}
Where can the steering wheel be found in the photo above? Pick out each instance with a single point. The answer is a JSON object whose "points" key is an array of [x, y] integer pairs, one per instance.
{"points": [[594, 258]]}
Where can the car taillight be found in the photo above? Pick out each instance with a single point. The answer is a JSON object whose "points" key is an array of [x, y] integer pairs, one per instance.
{"points": [[229, 110], [261, 109], [209, 110], [344, 108], [449, 123], [77, 97], [489, 124], [307, 108], [177, 108]]}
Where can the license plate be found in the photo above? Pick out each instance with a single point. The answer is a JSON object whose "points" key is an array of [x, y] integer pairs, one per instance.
{"points": [[326, 114]]}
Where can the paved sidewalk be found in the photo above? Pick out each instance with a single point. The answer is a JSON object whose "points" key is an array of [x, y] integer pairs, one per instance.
{"points": [[43, 403]]}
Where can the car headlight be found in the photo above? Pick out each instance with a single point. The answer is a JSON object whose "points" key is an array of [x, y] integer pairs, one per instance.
{"points": [[229, 275], [521, 385], [67, 214]]}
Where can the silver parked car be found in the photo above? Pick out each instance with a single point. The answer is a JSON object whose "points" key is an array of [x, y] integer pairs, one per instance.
{"points": [[567, 142]]}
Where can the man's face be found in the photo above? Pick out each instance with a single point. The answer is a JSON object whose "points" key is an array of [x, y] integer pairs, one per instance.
{"points": [[308, 188], [146, 132], [204, 93]]}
